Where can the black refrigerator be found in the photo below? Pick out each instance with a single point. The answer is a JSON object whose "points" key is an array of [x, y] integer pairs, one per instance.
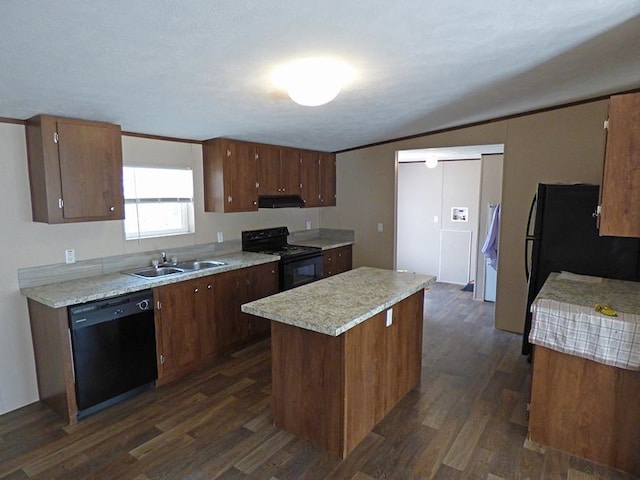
{"points": [[565, 238]]}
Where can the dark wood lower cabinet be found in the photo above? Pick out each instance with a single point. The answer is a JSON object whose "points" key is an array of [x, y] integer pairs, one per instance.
{"points": [[586, 408], [337, 260], [198, 320], [332, 391], [54, 364]]}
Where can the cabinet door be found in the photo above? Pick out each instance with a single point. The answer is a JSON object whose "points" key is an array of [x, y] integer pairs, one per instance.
{"points": [[206, 321], [177, 315], [343, 259], [268, 169], [289, 171], [231, 326], [328, 263], [310, 179], [328, 179], [90, 170], [240, 177], [263, 281], [620, 194], [75, 170]]}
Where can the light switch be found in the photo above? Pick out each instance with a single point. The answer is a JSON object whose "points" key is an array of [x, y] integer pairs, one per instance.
{"points": [[435, 219], [220, 237], [380, 227]]}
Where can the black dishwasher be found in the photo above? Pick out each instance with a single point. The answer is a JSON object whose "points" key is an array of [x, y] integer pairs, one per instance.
{"points": [[114, 350]]}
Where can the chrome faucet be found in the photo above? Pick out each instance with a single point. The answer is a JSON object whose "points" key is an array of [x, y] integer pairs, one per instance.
{"points": [[164, 257]]}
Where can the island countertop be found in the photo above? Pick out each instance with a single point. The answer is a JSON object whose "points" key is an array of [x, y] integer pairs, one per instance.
{"points": [[334, 305]]}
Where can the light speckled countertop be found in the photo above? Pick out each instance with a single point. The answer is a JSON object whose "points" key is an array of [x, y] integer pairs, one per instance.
{"points": [[334, 305], [623, 296], [323, 243], [72, 292]]}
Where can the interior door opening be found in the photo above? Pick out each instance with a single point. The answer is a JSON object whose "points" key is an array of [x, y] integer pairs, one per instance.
{"points": [[445, 202]]}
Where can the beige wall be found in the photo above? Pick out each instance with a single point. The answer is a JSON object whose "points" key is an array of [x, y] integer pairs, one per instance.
{"points": [[28, 244], [564, 145]]}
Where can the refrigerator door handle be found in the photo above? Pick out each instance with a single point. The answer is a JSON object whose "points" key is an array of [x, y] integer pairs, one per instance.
{"points": [[529, 238], [527, 261]]}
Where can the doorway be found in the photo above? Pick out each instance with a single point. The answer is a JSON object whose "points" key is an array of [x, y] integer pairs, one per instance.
{"points": [[444, 202]]}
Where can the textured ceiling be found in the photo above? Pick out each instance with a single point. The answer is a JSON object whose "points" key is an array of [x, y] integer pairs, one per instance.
{"points": [[200, 69]]}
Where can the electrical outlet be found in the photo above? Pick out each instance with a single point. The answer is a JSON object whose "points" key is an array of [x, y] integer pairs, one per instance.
{"points": [[220, 237], [380, 227], [308, 224], [70, 255], [389, 317], [435, 219]]}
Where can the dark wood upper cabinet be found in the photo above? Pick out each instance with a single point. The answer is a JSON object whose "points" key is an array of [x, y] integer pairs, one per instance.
{"points": [[310, 178], [75, 170], [289, 171], [237, 172], [230, 176], [268, 169], [620, 191], [328, 179]]}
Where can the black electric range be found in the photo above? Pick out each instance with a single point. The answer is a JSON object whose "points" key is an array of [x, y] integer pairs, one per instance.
{"points": [[298, 264]]}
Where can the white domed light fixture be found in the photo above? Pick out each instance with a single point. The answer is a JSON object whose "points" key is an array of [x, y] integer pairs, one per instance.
{"points": [[431, 161], [313, 81]]}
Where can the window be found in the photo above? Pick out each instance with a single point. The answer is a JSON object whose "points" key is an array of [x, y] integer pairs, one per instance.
{"points": [[157, 202]]}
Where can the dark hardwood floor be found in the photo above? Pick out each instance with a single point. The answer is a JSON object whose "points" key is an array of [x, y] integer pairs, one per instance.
{"points": [[466, 420]]}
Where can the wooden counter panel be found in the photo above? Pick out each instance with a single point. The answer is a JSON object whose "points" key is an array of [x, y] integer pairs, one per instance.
{"points": [[307, 385], [333, 390], [54, 366], [586, 408]]}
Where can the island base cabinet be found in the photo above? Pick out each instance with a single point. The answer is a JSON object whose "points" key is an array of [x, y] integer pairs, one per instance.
{"points": [[586, 408], [332, 391]]}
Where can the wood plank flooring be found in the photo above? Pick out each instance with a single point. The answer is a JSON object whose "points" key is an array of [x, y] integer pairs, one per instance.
{"points": [[466, 420]]}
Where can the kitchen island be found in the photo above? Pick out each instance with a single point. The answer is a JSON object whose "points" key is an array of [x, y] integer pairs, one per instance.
{"points": [[345, 350], [586, 369]]}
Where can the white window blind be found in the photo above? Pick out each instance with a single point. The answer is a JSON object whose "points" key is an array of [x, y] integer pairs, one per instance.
{"points": [[158, 202]]}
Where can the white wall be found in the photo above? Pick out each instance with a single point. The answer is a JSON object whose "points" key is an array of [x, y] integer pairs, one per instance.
{"points": [[425, 193], [419, 200], [459, 240], [27, 244]]}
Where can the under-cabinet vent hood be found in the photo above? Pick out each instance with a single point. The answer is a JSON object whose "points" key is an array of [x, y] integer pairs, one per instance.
{"points": [[280, 201]]}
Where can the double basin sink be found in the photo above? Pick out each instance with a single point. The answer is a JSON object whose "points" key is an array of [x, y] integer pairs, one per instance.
{"points": [[175, 268]]}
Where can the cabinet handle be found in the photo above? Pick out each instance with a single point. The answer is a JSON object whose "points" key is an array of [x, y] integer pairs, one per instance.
{"points": [[229, 199], [209, 287], [596, 214], [255, 203], [195, 290], [112, 209]]}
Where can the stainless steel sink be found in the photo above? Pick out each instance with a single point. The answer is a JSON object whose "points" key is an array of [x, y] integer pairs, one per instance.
{"points": [[156, 272], [199, 264], [175, 268]]}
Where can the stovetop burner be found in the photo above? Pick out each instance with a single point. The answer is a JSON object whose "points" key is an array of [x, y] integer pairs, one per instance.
{"points": [[273, 241]]}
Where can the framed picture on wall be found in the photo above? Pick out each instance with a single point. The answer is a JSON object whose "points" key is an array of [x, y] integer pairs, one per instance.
{"points": [[460, 214]]}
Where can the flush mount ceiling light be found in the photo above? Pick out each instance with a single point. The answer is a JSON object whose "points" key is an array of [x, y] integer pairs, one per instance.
{"points": [[431, 161], [313, 81]]}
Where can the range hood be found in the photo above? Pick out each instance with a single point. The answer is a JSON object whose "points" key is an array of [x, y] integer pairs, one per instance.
{"points": [[280, 201]]}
